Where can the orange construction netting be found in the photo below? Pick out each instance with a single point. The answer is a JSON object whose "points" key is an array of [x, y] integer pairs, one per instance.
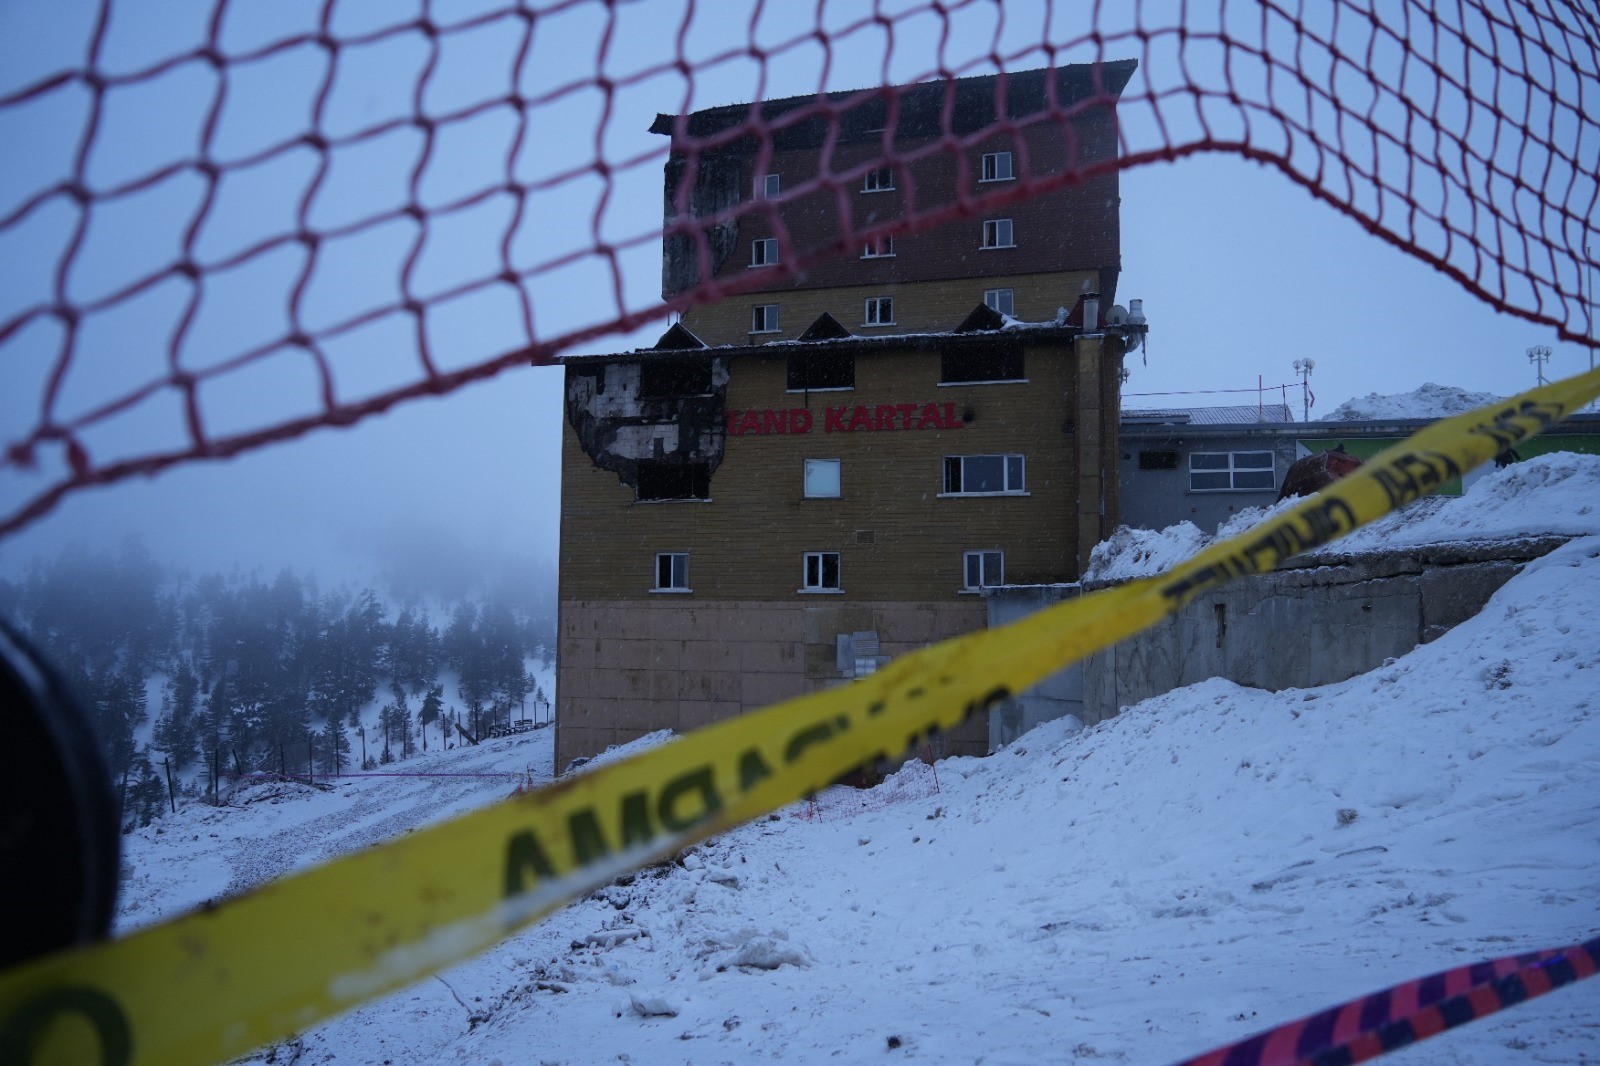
{"points": [[377, 201]]}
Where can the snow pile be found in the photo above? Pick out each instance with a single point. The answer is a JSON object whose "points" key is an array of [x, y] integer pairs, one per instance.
{"points": [[1557, 493], [1428, 401], [1129, 553], [1209, 863]]}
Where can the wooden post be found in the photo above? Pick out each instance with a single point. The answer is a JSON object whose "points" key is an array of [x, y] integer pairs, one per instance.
{"points": [[311, 776], [172, 797]]}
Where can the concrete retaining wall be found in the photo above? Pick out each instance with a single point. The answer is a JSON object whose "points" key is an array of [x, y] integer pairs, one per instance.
{"points": [[1309, 623]]}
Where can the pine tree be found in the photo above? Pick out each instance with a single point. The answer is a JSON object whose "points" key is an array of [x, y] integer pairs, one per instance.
{"points": [[432, 710]]}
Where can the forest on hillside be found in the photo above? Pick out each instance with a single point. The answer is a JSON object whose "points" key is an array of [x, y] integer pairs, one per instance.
{"points": [[265, 676]]}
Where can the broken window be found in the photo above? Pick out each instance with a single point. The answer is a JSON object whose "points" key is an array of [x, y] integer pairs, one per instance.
{"points": [[822, 370], [880, 179], [997, 233], [975, 364], [674, 481], [661, 379], [997, 166]]}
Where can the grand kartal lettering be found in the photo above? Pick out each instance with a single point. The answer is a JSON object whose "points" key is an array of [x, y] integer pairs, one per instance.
{"points": [[845, 418]]}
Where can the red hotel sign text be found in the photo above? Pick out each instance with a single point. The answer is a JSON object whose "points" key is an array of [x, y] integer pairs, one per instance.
{"points": [[846, 419]]}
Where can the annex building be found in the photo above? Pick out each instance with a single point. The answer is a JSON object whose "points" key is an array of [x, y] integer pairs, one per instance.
{"points": [[749, 514]]}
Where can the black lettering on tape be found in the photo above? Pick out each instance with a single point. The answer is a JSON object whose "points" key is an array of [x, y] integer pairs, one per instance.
{"points": [[20, 1033], [525, 857], [752, 770], [636, 827], [811, 736], [685, 785], [588, 840]]}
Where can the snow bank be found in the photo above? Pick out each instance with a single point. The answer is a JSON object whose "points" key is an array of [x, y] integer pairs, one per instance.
{"points": [[1427, 401], [1557, 493]]}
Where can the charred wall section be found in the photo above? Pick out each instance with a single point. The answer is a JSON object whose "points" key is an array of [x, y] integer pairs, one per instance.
{"points": [[662, 441]]}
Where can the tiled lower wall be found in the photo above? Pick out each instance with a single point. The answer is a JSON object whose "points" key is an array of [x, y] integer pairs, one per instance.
{"points": [[628, 668]]}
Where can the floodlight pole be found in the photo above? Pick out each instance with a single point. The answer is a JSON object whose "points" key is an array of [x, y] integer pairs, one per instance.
{"points": [[1303, 367], [1539, 355]]}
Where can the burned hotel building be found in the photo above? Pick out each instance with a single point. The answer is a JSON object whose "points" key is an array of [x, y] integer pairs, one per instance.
{"points": [[801, 481]]}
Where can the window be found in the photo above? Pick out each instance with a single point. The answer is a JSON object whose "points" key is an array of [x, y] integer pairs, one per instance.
{"points": [[880, 311], [1231, 471], [983, 569], [878, 248], [961, 364], [674, 481], [879, 180], [672, 572], [997, 233], [821, 572], [983, 475], [767, 187], [764, 318], [663, 379], [1162, 460], [1001, 300], [997, 166], [821, 370], [822, 478], [764, 252]]}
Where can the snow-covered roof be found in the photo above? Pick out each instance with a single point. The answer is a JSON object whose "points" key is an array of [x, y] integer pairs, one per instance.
{"points": [[1227, 415]]}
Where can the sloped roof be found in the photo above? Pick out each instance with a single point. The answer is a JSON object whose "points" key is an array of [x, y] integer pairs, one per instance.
{"points": [[1236, 414]]}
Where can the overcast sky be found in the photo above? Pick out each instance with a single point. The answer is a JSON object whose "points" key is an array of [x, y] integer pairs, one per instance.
{"points": [[1241, 270]]}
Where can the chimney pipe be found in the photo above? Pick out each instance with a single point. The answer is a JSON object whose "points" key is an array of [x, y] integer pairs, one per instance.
{"points": [[1091, 311]]}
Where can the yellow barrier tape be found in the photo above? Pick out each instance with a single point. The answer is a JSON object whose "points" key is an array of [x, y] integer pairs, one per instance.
{"points": [[218, 982]]}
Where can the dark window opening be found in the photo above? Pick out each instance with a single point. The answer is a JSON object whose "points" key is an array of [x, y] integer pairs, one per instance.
{"points": [[981, 364], [822, 370], [674, 481], [1158, 460], [666, 378]]}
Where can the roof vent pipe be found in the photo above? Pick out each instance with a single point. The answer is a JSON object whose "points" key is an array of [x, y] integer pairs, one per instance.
{"points": [[1136, 313], [1091, 311]]}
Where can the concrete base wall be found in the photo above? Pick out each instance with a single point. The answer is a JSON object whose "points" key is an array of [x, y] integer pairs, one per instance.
{"points": [[1297, 627], [1057, 696], [628, 668]]}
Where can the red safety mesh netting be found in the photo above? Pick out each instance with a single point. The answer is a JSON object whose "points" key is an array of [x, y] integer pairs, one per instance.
{"points": [[223, 224]]}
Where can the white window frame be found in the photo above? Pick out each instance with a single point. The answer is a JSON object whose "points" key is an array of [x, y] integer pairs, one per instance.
{"points": [[879, 311], [982, 557], [878, 248], [767, 315], [673, 572], [822, 464], [993, 298], [878, 179], [763, 251], [1013, 486], [1234, 469], [994, 229], [997, 159], [820, 573], [768, 186]]}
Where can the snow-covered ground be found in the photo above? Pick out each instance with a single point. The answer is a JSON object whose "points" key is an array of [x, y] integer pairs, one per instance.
{"points": [[1208, 863]]}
